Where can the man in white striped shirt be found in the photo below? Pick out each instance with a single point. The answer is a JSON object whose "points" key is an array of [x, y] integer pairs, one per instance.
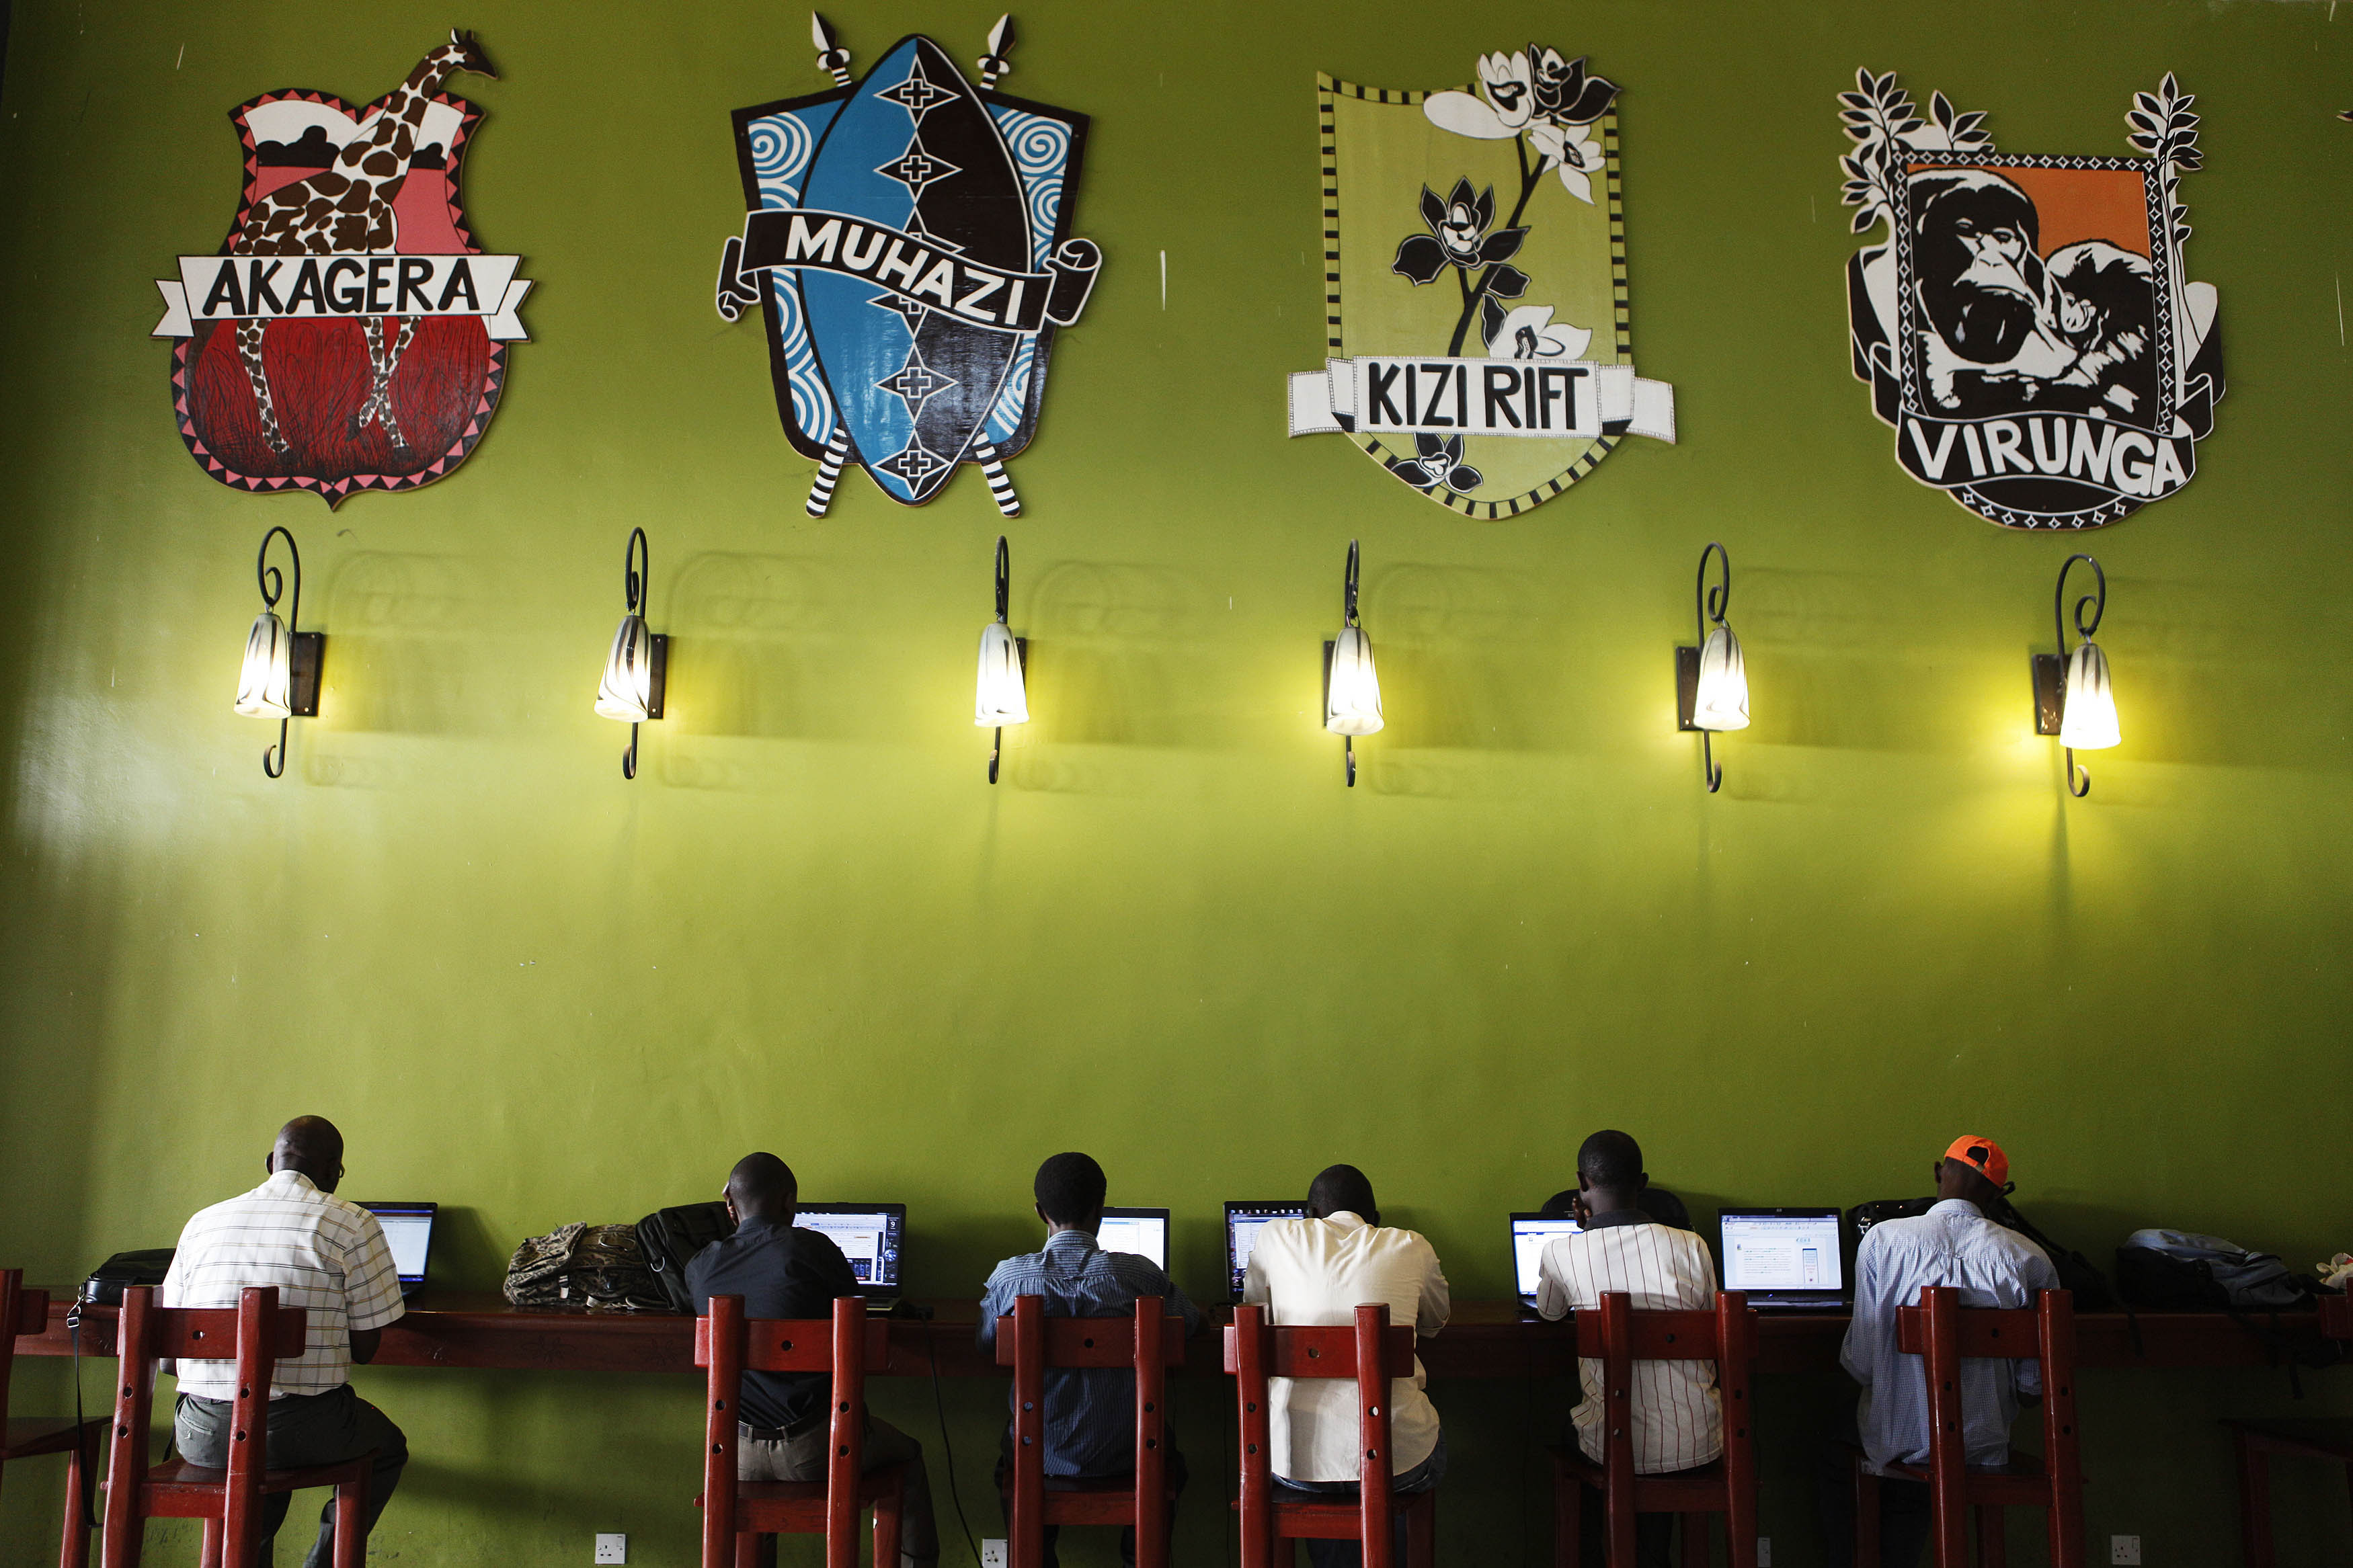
{"points": [[1678, 1415], [326, 1256]]}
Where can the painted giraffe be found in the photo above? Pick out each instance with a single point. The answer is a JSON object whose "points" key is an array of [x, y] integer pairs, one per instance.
{"points": [[346, 209]]}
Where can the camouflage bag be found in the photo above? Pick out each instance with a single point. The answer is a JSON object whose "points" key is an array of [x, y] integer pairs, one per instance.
{"points": [[595, 1266]]}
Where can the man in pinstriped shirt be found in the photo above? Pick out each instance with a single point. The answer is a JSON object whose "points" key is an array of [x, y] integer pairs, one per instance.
{"points": [[326, 1256], [1678, 1415], [1089, 1411]]}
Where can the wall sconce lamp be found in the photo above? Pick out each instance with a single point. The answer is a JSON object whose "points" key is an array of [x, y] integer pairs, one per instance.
{"points": [[1352, 688], [1000, 697], [637, 672], [280, 678], [1712, 679], [2073, 699]]}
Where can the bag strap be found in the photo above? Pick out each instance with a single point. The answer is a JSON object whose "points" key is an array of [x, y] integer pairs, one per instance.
{"points": [[88, 1461]]}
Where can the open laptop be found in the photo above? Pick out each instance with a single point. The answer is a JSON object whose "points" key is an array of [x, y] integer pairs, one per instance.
{"points": [[870, 1235], [1243, 1222], [1144, 1232], [409, 1231], [1788, 1260], [1530, 1233]]}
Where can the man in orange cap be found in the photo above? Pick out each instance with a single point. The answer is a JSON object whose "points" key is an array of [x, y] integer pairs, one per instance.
{"points": [[1953, 1244]]}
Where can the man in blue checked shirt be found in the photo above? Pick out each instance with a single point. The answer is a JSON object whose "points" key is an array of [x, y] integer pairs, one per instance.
{"points": [[1089, 1411]]}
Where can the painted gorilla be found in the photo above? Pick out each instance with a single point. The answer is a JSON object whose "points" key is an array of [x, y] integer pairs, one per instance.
{"points": [[1973, 250], [2011, 331]]}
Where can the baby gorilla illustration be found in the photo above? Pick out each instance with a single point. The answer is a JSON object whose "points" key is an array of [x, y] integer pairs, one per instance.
{"points": [[2103, 304]]}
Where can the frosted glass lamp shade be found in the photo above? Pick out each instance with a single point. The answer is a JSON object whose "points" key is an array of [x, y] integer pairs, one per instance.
{"points": [[999, 696], [1721, 700], [1352, 706], [265, 684], [626, 692], [2087, 721]]}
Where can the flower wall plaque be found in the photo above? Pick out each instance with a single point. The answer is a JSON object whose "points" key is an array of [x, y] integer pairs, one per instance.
{"points": [[1482, 356]]}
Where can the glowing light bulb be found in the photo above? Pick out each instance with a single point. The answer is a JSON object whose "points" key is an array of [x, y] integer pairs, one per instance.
{"points": [[626, 692], [1353, 706], [1722, 701], [2087, 717], [999, 696], [265, 684]]}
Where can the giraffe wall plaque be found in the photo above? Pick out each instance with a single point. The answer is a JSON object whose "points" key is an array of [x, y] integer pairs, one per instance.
{"points": [[350, 333], [909, 234]]}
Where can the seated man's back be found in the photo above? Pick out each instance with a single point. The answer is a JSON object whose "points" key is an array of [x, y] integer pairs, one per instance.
{"points": [[1678, 1413], [327, 1257], [1317, 1271], [1089, 1411], [1953, 1244]]}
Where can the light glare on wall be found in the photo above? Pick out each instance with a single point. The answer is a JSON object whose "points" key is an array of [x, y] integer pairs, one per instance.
{"points": [[637, 670], [278, 678], [1712, 679], [1352, 687], [1000, 695], [2073, 698]]}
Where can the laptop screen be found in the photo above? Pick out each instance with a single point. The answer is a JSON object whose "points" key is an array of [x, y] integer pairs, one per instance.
{"points": [[409, 1231], [1530, 1233], [1243, 1222], [1776, 1250], [867, 1234], [1144, 1232]]}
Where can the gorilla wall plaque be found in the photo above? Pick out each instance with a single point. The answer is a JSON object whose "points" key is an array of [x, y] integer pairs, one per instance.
{"points": [[1477, 240], [910, 235], [2028, 330]]}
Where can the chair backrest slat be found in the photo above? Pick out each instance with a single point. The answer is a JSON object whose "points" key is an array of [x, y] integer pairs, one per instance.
{"points": [[1248, 1346], [845, 1459], [16, 1311], [1154, 1347]]}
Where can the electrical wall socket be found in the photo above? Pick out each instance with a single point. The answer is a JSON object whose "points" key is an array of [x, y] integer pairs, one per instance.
{"points": [[612, 1548], [992, 1553], [2124, 1548], [1763, 1551]]}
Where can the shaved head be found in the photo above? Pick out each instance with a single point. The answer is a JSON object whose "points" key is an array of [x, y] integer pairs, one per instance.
{"points": [[1342, 1189], [762, 1186], [311, 1145]]}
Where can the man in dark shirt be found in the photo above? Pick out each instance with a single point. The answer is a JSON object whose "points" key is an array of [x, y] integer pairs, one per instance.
{"points": [[1089, 1412], [782, 1272]]}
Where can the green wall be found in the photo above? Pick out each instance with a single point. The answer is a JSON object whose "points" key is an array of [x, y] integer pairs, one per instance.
{"points": [[539, 994]]}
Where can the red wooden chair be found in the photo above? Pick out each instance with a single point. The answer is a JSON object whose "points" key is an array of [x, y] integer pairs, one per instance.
{"points": [[1029, 1342], [1947, 1334], [2257, 1443], [1373, 1354], [23, 1311], [254, 1333], [1620, 1336], [737, 1515]]}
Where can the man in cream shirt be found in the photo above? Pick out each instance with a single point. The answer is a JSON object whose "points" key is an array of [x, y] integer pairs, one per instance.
{"points": [[1317, 1271]]}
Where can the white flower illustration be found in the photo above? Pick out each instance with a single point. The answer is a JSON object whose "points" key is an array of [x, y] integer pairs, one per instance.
{"points": [[1573, 152], [1506, 99], [1527, 332]]}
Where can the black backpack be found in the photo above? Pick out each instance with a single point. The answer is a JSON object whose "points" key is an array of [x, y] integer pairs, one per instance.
{"points": [[2078, 1275], [670, 1237], [107, 1282]]}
